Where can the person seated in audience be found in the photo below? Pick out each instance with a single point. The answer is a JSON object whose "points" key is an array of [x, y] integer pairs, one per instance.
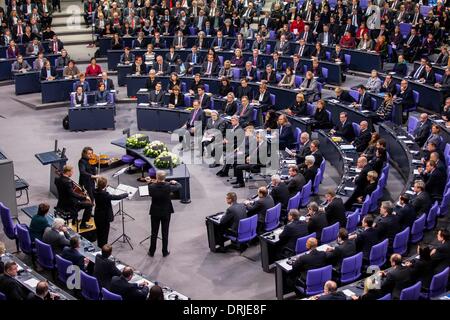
{"points": [[445, 82], [334, 209], [262, 98], [388, 85], [244, 90], [304, 149], [377, 162], [80, 97], [405, 211], [397, 278], [215, 128], [12, 52], [280, 192], [428, 46], [269, 75], [176, 98], [231, 106], [20, 65], [361, 142], [310, 86], [387, 224], [443, 57], [109, 84], [240, 43], [313, 260], [366, 44], [423, 129], [42, 293], [157, 41], [440, 255], [434, 179], [330, 293], [400, 67], [373, 84], [122, 286], [364, 102], [374, 143], [34, 47], [39, 222], [72, 254], [157, 96], [56, 236], [161, 67], [71, 71], [343, 95], [347, 41], [248, 72], [411, 45], [344, 128], [210, 67], [237, 61], [229, 222], [321, 116], [372, 291], [309, 169], [48, 72], [171, 57], [380, 47], [138, 67], [93, 69], [105, 268], [299, 106], [316, 219], [198, 82], [219, 42], [226, 70], [174, 80], [38, 64], [428, 76], [101, 96], [314, 148], [245, 112], [151, 81], [422, 201], [318, 52], [296, 180], [9, 285], [260, 207], [179, 41], [384, 111], [421, 267], [367, 238], [149, 55], [294, 229], [203, 98], [224, 87], [126, 57], [434, 137], [156, 293], [345, 248], [282, 46], [63, 60], [288, 79], [259, 44], [371, 185]]}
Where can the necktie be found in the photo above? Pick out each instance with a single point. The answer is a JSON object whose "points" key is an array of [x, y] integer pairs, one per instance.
{"points": [[281, 129], [419, 70], [410, 40], [180, 41], [305, 36], [160, 67], [193, 117], [361, 99], [243, 110], [254, 62], [19, 32], [132, 24], [194, 58], [208, 71], [55, 46], [219, 42], [300, 53]]}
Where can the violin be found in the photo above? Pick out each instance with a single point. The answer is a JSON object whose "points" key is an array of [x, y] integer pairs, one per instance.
{"points": [[102, 159]]}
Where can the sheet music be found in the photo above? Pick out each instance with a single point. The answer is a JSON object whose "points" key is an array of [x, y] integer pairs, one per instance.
{"points": [[143, 191], [128, 189]]}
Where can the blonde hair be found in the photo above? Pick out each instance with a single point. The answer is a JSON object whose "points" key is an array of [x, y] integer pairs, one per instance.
{"points": [[2, 248]]}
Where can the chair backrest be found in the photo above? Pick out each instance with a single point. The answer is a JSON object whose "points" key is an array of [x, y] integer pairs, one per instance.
{"points": [[425, 9], [192, 31], [417, 229], [400, 244], [272, 219], [297, 134], [316, 278], [8, 225], [187, 100], [300, 246], [90, 290], [438, 77], [365, 206], [378, 253], [356, 129], [317, 182], [2, 296], [183, 87], [386, 297], [23, 236], [206, 87], [325, 72], [416, 96], [347, 58], [445, 203], [268, 48], [247, 228], [351, 268], [405, 28], [330, 233], [272, 35], [352, 221], [62, 265], [298, 81], [44, 254], [374, 197], [328, 56], [432, 216], [236, 74], [306, 193], [310, 109], [412, 124], [272, 99], [305, 69], [354, 94], [322, 169], [373, 103], [439, 283], [411, 293], [278, 76], [294, 202], [108, 295], [329, 115]]}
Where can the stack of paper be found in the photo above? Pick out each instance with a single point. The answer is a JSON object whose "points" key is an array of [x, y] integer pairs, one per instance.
{"points": [[348, 292], [347, 147], [143, 191], [32, 282]]}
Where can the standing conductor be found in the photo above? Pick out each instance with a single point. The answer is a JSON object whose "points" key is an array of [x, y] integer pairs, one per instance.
{"points": [[161, 209]]}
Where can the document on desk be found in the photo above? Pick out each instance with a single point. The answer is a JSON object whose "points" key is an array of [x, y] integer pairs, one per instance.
{"points": [[322, 248], [408, 141], [334, 101], [305, 118], [348, 159], [143, 191], [102, 103], [347, 146], [348, 292], [365, 111], [120, 266], [401, 137], [410, 192], [289, 152], [415, 161], [32, 282], [349, 188]]}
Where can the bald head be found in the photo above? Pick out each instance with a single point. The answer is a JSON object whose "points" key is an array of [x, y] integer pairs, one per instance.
{"points": [[330, 287]]}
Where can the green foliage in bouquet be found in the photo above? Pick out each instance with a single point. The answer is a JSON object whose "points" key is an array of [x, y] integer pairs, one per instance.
{"points": [[137, 141], [161, 162], [154, 149]]}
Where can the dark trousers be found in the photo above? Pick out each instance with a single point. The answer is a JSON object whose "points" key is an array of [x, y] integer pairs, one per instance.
{"points": [[102, 228], [240, 172], [156, 221], [87, 211], [56, 4]]}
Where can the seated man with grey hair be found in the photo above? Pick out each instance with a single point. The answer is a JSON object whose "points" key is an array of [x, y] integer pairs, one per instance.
{"points": [[361, 142], [279, 192], [386, 224], [214, 133], [309, 170], [317, 219], [57, 236], [330, 292]]}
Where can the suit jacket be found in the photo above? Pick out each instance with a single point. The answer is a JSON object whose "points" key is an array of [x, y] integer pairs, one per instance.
{"points": [[295, 184], [310, 174], [12, 289], [401, 69], [318, 158], [158, 98], [161, 203], [261, 46], [222, 46], [407, 98], [241, 91], [366, 240], [234, 213], [246, 117], [128, 291], [74, 256], [194, 118], [316, 223], [280, 194], [271, 79], [309, 36], [150, 84], [435, 184], [312, 260], [171, 59], [338, 55], [362, 141], [180, 100], [333, 296], [284, 49], [421, 203], [345, 130], [303, 152], [109, 84], [44, 73], [406, 215], [206, 101], [342, 251], [104, 270], [220, 125], [321, 39], [441, 258], [312, 86], [422, 132], [230, 109], [260, 207], [286, 137], [214, 68], [164, 67], [103, 207], [365, 102], [396, 280], [390, 88], [67, 198], [291, 232], [335, 212], [55, 239], [250, 75], [142, 69], [421, 74], [387, 227], [124, 58], [306, 53]]}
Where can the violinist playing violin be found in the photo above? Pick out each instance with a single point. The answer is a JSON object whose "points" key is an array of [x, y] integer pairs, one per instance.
{"points": [[88, 172], [72, 199]]}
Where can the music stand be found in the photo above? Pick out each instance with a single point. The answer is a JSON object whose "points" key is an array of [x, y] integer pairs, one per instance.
{"points": [[117, 175]]}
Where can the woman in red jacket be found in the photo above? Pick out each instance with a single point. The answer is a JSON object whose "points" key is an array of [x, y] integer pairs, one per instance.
{"points": [[347, 41], [93, 69], [361, 31], [297, 24]]}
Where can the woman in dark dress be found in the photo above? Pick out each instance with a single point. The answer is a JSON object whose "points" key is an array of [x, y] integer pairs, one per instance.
{"points": [[230, 105], [270, 122], [173, 81], [299, 107], [195, 84], [176, 98], [321, 117], [225, 87]]}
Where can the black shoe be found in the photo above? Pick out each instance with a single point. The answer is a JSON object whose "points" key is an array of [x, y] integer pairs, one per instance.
{"points": [[86, 226], [151, 254], [221, 250], [240, 185], [243, 247], [166, 254], [221, 174], [214, 165]]}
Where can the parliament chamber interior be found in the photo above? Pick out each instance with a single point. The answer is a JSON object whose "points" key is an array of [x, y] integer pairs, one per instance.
{"points": [[224, 150]]}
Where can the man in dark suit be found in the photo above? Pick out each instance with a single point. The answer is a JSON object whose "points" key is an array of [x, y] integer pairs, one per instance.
{"points": [[330, 293], [406, 95], [70, 201], [260, 206], [296, 180], [338, 54], [248, 72], [344, 128], [9, 286], [151, 81], [435, 181], [386, 224], [72, 254], [219, 42], [105, 269], [259, 44], [411, 45], [48, 72], [269, 75], [304, 149], [325, 37], [397, 278], [317, 219], [255, 59], [245, 112], [161, 209], [345, 248], [209, 67], [334, 210], [318, 157], [440, 256], [161, 67], [312, 260], [286, 133], [127, 57], [302, 50], [307, 35], [366, 239], [280, 192], [109, 84], [405, 212], [429, 77], [138, 68], [292, 231], [203, 98], [229, 222], [361, 142], [129, 291], [244, 90], [422, 201], [157, 95], [282, 46]]}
